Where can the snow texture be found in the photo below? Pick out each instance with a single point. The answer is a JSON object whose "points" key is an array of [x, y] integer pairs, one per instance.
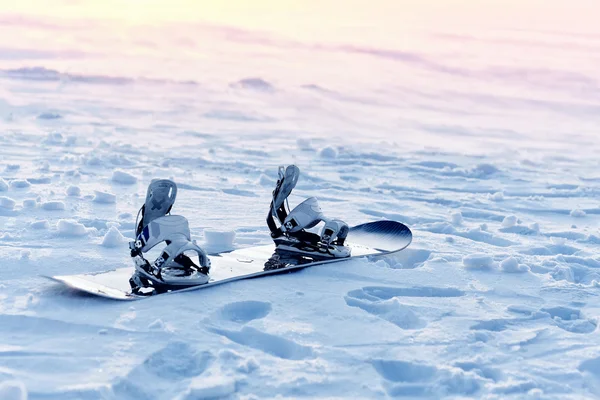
{"points": [[73, 191], [68, 227], [123, 177], [104, 197], [478, 129], [113, 238]]}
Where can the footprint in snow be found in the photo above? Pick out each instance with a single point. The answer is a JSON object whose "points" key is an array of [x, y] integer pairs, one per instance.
{"points": [[245, 311], [566, 318], [271, 344], [405, 378], [384, 303], [174, 363]]}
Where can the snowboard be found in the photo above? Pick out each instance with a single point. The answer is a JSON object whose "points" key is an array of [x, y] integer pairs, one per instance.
{"points": [[371, 239]]}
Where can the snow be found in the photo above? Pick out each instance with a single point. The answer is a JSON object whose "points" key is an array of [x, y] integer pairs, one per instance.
{"points": [[113, 238], [73, 191], [19, 184], [216, 241], [479, 131], [511, 264], [328, 152], [123, 177], [68, 227], [478, 261], [13, 390], [104, 197], [7, 202], [509, 221], [53, 206]]}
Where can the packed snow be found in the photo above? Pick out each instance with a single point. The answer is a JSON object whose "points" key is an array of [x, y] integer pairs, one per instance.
{"points": [[484, 141]]}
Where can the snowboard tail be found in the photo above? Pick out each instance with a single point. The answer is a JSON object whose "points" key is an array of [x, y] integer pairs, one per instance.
{"points": [[370, 239]]}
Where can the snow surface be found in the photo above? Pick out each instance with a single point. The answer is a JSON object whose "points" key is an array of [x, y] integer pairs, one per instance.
{"points": [[484, 142]]}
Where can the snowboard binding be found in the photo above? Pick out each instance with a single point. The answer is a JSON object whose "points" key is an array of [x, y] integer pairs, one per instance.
{"points": [[174, 268], [289, 229]]}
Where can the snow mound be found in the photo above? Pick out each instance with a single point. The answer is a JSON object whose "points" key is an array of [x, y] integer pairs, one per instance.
{"points": [[257, 84], [13, 390], [123, 178], [3, 185], [67, 227], [41, 224], [7, 202], [328, 153], [73, 191], [49, 116], [498, 196], [478, 261], [19, 184], [592, 366], [53, 206], [304, 144], [104, 197], [113, 238], [219, 239], [212, 387], [29, 203], [456, 218], [509, 221], [577, 213], [512, 265], [264, 180]]}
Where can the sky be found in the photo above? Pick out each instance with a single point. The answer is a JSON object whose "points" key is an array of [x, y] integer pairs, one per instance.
{"points": [[307, 18]]}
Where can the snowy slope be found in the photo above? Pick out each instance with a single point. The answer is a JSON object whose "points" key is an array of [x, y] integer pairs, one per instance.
{"points": [[492, 164]]}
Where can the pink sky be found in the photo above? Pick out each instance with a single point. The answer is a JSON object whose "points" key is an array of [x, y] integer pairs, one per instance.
{"points": [[309, 19]]}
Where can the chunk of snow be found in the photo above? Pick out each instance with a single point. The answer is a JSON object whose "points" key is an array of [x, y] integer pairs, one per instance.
{"points": [[49, 115], [577, 213], [113, 238], [73, 191], [265, 181], [213, 387], [257, 84], [13, 167], [25, 254], [19, 184], [29, 203], [328, 152], [484, 170], [512, 265], [478, 261], [123, 178], [457, 218], [509, 221], [534, 227], [68, 227], [53, 206], [157, 325], [41, 224], [13, 390], [219, 238], [304, 144], [104, 197], [7, 202], [3, 185], [498, 196]]}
